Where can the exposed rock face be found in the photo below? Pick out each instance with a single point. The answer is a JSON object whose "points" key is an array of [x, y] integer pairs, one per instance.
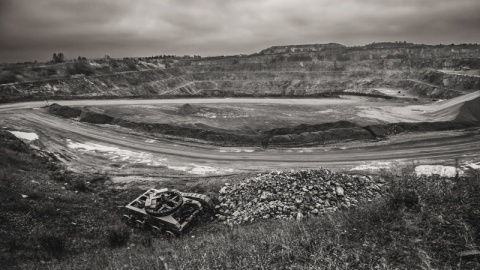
{"points": [[139, 83], [323, 68], [299, 70], [293, 195]]}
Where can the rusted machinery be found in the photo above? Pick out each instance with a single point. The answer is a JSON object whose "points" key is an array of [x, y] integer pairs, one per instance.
{"points": [[166, 211]]}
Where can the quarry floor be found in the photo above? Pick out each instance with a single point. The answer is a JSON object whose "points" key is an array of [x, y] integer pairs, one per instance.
{"points": [[133, 157]]}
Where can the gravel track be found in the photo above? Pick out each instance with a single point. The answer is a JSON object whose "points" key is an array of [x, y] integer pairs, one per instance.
{"points": [[45, 123]]}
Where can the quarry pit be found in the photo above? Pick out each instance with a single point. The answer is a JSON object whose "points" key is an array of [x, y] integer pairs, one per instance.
{"points": [[94, 143]]}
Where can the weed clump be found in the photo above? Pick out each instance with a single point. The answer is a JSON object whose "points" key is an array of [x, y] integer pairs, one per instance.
{"points": [[80, 185], [54, 245], [118, 236]]}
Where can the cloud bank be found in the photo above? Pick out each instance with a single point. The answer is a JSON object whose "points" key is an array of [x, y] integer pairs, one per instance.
{"points": [[34, 29]]}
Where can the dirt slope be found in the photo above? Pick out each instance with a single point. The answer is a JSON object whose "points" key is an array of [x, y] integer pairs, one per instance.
{"points": [[463, 108]]}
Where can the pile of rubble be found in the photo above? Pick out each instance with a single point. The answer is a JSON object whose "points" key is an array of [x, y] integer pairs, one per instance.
{"points": [[293, 195]]}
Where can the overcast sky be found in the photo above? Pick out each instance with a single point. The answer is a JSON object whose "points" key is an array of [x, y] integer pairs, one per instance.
{"points": [[34, 29]]}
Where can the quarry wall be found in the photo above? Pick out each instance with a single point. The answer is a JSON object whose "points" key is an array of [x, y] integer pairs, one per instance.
{"points": [[298, 70]]}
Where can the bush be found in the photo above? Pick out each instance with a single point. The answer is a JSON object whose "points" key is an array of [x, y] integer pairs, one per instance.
{"points": [[53, 244], [131, 64], [79, 185], [48, 71], [80, 67], [408, 199], [7, 77], [118, 236]]}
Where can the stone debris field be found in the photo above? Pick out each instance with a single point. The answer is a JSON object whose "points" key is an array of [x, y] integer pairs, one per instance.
{"points": [[293, 195]]}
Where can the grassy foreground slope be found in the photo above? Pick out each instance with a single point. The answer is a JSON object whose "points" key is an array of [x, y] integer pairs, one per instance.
{"points": [[421, 223]]}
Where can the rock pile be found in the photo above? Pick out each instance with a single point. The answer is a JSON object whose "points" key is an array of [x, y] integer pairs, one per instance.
{"points": [[293, 195]]}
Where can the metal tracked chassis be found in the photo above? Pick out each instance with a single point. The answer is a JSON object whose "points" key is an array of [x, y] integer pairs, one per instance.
{"points": [[166, 211]]}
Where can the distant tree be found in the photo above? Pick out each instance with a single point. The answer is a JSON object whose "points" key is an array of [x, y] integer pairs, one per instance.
{"points": [[58, 58]]}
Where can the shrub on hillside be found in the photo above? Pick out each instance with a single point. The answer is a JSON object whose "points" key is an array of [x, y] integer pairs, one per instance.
{"points": [[79, 185], [7, 77], [80, 67], [131, 64], [118, 236], [49, 71], [55, 245], [299, 57]]}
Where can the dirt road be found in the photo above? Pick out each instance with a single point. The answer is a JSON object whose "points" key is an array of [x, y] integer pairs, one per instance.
{"points": [[58, 135]]}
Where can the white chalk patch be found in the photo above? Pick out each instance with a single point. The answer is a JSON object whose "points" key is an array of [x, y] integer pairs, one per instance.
{"points": [[178, 168], [473, 166], [373, 166], [445, 171], [200, 170], [203, 169], [29, 136], [326, 111], [235, 150], [143, 106], [116, 154]]}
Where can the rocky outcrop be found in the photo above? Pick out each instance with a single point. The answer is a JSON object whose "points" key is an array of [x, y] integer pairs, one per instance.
{"points": [[424, 89], [302, 70], [460, 82], [146, 83]]}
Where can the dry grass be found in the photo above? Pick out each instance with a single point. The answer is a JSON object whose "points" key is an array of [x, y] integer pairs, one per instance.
{"points": [[421, 223]]}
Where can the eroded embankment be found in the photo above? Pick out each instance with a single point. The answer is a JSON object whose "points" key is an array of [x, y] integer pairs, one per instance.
{"points": [[296, 136]]}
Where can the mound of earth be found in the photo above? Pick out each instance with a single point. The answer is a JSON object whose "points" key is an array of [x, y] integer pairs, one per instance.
{"points": [[289, 195], [297, 136], [311, 128], [321, 137], [95, 117], [64, 111], [188, 109], [463, 108], [382, 131]]}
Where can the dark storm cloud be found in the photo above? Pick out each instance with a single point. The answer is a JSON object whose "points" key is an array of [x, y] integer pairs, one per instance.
{"points": [[34, 29]]}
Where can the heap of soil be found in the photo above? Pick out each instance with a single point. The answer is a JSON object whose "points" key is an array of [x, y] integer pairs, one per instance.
{"points": [[64, 111], [188, 109], [463, 108], [95, 117], [296, 136], [470, 111]]}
